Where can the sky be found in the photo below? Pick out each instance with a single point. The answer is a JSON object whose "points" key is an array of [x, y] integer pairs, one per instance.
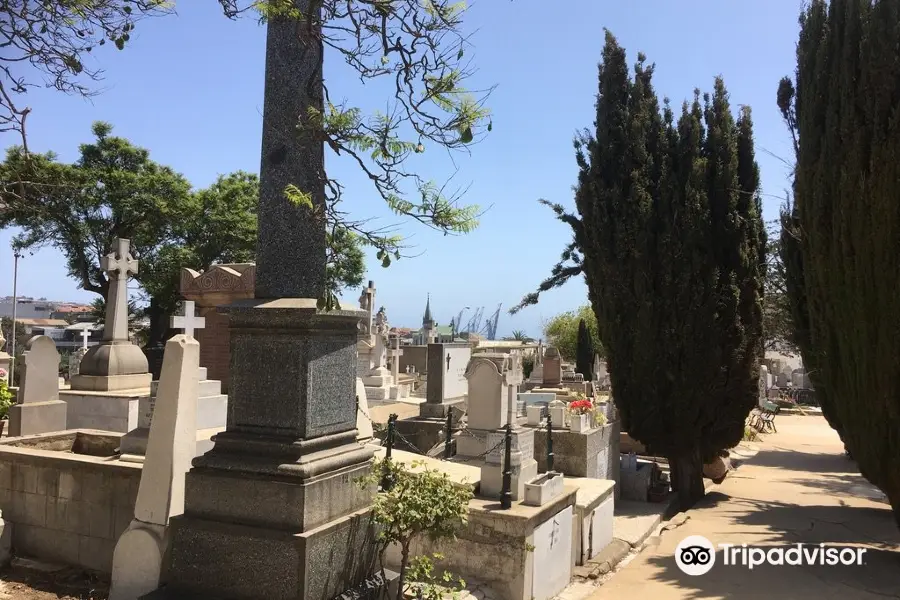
{"points": [[189, 88]]}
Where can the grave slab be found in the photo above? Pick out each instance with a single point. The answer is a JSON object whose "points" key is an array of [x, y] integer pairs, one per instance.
{"points": [[138, 557], [523, 553], [38, 408]]}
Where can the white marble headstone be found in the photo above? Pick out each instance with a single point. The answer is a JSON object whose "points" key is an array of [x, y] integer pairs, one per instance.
{"points": [[40, 381]]}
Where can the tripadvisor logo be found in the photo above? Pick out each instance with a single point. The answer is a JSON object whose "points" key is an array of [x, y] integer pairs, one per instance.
{"points": [[696, 555]]}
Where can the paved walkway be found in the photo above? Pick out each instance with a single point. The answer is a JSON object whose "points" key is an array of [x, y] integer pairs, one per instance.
{"points": [[799, 488]]}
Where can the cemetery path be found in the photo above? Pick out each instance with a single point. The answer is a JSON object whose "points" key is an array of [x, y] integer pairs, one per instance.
{"points": [[800, 488]]}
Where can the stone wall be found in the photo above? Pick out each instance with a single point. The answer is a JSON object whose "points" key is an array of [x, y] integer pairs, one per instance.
{"points": [[506, 549], [594, 454], [65, 507]]}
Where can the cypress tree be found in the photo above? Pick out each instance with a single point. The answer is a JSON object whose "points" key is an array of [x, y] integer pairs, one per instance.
{"points": [[584, 359], [673, 249], [846, 221]]}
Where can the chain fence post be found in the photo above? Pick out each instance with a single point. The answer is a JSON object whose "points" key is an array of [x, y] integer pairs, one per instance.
{"points": [[448, 436], [386, 480], [549, 443], [506, 492]]}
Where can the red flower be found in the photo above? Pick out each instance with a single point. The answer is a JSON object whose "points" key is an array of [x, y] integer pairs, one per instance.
{"points": [[581, 407]]}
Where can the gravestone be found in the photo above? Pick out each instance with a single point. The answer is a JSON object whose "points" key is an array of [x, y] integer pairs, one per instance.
{"points": [[558, 414], [76, 357], [138, 557], [115, 363], [396, 353], [38, 408], [447, 385], [763, 385], [372, 349], [537, 371], [295, 524], [552, 373], [212, 404], [493, 386], [799, 379]]}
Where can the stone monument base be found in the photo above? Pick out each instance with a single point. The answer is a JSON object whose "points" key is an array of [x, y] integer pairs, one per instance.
{"points": [[439, 411], [523, 466], [318, 564], [211, 417], [134, 443], [37, 417], [492, 479], [594, 453], [594, 507], [110, 383], [137, 560], [381, 394], [524, 553], [472, 443], [106, 411]]}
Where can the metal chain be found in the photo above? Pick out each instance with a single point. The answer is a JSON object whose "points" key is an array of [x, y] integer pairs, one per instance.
{"points": [[408, 443], [500, 443]]}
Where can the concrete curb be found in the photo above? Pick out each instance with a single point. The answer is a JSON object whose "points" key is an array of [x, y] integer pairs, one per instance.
{"points": [[605, 561]]}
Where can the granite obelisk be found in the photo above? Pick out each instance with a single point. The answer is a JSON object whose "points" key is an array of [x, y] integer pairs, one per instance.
{"points": [[274, 510]]}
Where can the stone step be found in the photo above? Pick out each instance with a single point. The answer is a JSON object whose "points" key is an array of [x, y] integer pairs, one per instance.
{"points": [[203, 373], [135, 447], [208, 387], [212, 411]]}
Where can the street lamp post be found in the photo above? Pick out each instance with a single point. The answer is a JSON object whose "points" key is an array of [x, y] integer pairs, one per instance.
{"points": [[12, 360]]}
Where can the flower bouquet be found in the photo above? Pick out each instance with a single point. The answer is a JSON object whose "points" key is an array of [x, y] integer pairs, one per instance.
{"points": [[582, 411]]}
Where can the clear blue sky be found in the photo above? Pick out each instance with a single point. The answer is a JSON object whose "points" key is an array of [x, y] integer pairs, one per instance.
{"points": [[189, 88]]}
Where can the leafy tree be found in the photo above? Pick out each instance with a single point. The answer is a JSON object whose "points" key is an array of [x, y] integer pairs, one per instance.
{"points": [[670, 239], [841, 233], [114, 190], [418, 47], [561, 331], [520, 336], [419, 50], [584, 361], [58, 39], [21, 339], [98, 311], [778, 320], [420, 502]]}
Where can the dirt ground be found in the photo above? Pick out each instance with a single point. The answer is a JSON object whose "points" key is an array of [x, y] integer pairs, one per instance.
{"points": [[17, 583]]}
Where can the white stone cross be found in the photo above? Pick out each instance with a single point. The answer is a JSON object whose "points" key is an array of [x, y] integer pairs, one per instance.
{"points": [[118, 265], [396, 353], [188, 322], [85, 334]]}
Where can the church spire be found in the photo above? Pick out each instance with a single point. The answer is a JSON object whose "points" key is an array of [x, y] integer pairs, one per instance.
{"points": [[426, 320]]}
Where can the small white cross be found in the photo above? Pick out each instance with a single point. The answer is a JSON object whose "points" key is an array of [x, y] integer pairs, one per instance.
{"points": [[85, 334], [188, 322]]}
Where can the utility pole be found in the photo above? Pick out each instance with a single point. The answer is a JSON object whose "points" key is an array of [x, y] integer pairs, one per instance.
{"points": [[12, 360]]}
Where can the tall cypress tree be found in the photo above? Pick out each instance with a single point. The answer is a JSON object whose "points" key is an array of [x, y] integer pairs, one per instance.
{"points": [[846, 222], [673, 248], [584, 355]]}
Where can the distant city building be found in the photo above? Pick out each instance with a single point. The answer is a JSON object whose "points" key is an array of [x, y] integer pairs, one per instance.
{"points": [[41, 308]]}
